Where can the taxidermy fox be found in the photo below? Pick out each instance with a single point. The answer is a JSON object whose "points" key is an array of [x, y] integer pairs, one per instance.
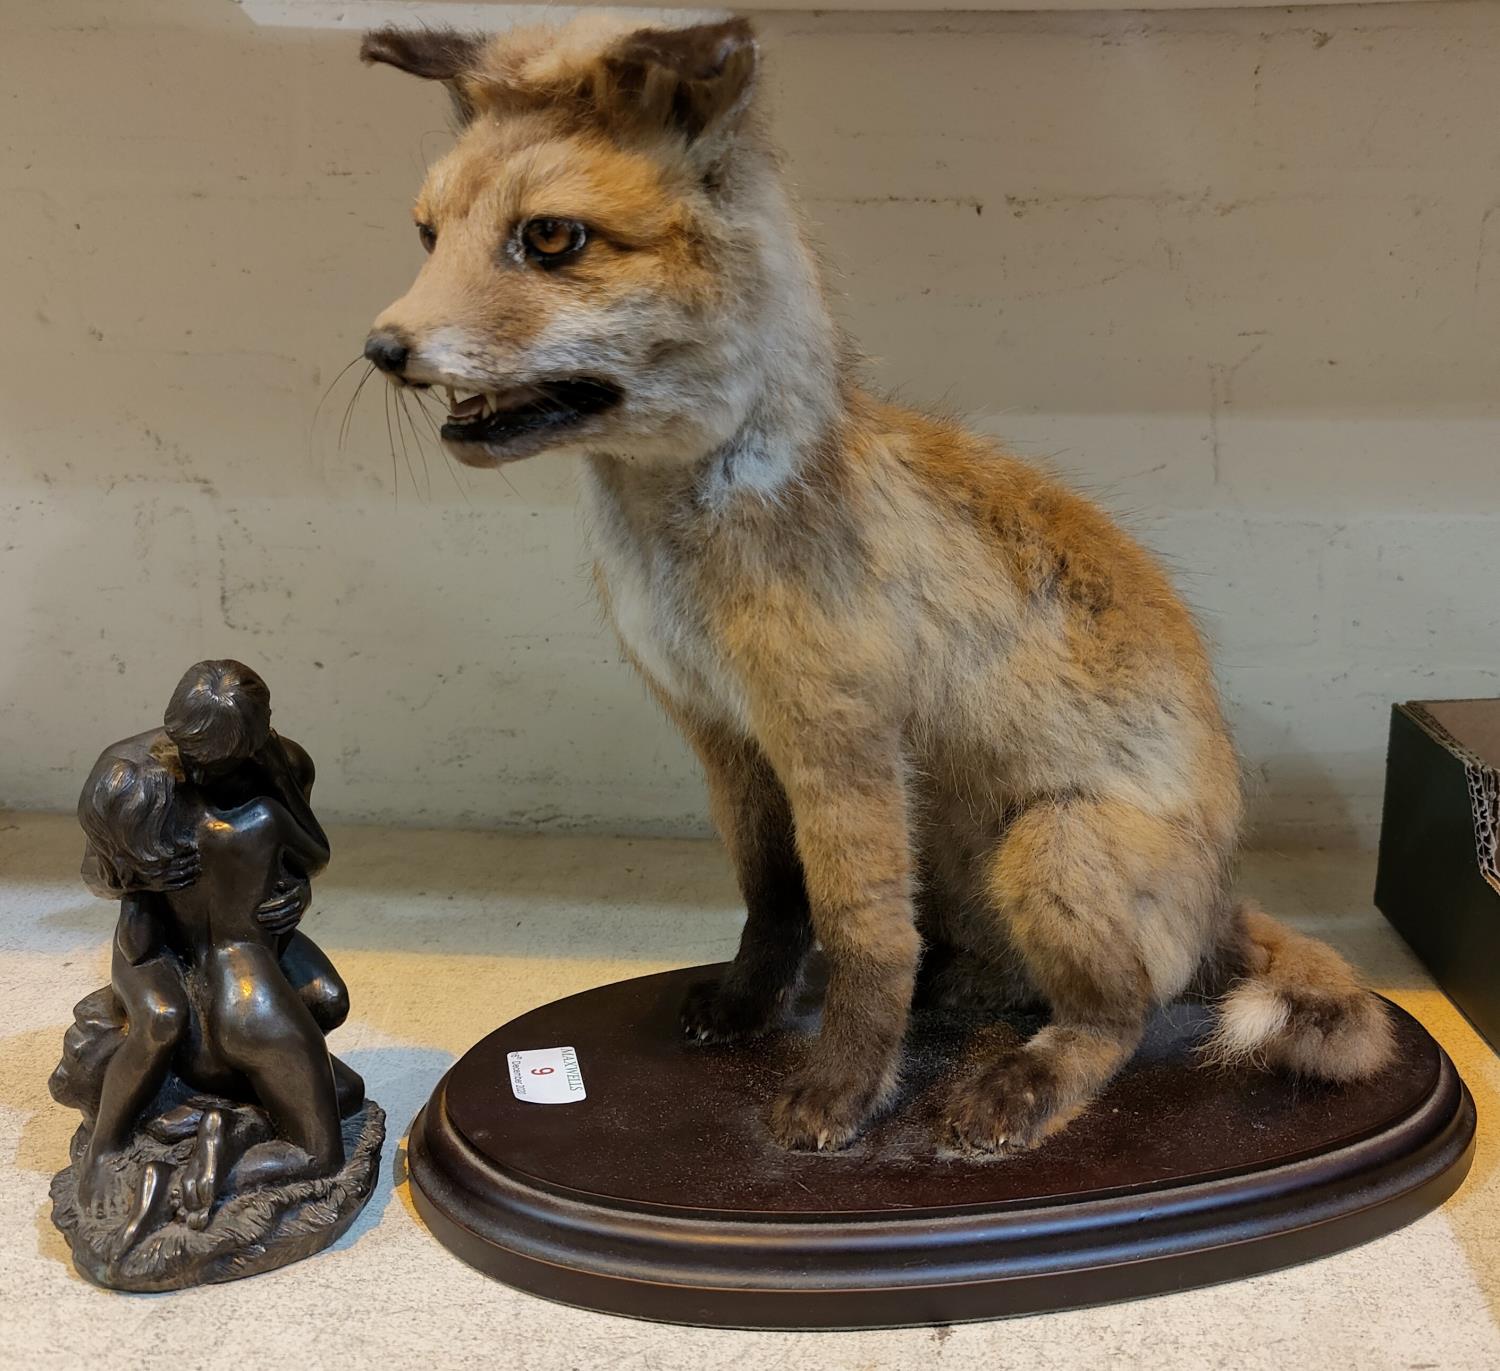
{"points": [[943, 703]]}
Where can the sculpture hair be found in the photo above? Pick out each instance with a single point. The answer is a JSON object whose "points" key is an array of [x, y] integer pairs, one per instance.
{"points": [[126, 814], [220, 710]]}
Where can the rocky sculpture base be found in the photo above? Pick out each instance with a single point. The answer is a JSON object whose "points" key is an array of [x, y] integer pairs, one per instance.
{"points": [[135, 1238]]}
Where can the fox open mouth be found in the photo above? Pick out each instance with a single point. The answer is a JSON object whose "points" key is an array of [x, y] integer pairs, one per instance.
{"points": [[495, 419]]}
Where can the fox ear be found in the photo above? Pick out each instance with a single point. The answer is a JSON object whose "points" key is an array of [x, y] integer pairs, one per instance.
{"points": [[696, 80], [435, 54]]}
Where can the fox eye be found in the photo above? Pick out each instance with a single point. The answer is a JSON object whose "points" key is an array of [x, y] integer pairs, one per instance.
{"points": [[549, 241], [428, 235]]}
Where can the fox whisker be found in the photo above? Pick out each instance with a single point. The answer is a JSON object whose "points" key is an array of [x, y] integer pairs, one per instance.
{"points": [[343, 372], [437, 438], [349, 408]]}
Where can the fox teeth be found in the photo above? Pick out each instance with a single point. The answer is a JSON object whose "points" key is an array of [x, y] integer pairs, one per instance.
{"points": [[479, 404], [470, 409]]}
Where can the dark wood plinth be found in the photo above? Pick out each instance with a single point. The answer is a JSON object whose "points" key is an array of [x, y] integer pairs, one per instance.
{"points": [[662, 1196]]}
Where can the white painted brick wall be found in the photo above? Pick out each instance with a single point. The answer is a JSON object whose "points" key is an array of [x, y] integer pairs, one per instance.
{"points": [[1235, 272]]}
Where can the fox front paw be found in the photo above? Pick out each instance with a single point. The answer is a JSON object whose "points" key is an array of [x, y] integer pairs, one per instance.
{"points": [[713, 1013], [822, 1111]]}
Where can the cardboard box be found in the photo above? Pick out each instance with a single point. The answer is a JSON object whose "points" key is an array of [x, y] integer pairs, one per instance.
{"points": [[1439, 873]]}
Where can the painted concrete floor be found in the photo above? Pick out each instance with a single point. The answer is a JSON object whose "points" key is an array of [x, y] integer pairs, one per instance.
{"points": [[442, 936]]}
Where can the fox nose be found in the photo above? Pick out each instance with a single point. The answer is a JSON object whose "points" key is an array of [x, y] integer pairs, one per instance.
{"points": [[388, 350]]}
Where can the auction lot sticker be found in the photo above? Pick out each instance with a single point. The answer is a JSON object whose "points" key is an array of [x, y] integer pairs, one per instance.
{"points": [[546, 1075]]}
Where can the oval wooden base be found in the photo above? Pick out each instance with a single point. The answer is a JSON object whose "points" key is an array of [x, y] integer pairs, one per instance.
{"points": [[661, 1195]]}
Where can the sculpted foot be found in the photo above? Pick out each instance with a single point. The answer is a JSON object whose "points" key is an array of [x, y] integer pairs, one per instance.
{"points": [[276, 1162], [224, 1136], [153, 1204], [176, 1124], [93, 1186], [349, 1085], [202, 1171]]}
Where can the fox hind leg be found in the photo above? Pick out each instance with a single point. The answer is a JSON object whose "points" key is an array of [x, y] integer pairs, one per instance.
{"points": [[1103, 904]]}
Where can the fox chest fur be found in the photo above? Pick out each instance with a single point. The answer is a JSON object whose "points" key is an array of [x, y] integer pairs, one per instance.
{"points": [[651, 587]]}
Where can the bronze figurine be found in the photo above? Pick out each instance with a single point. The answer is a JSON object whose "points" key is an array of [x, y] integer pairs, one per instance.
{"points": [[219, 1136]]}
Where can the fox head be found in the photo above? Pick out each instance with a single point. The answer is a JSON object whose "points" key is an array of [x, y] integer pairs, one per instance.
{"points": [[609, 253]]}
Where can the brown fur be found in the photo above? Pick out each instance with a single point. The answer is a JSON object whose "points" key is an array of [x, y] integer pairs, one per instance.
{"points": [[939, 698]]}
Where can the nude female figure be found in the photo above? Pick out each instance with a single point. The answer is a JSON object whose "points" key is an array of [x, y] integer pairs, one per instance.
{"points": [[254, 1023]]}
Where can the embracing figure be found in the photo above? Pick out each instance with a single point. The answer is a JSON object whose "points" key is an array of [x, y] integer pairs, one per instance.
{"points": [[202, 1070]]}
